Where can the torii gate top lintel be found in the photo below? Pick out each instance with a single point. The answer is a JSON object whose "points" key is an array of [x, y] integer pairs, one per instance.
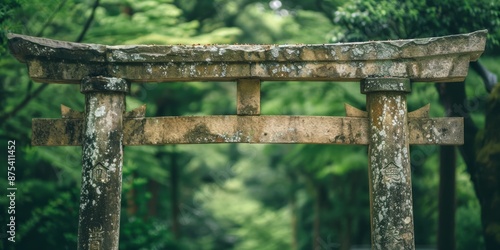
{"points": [[425, 59]]}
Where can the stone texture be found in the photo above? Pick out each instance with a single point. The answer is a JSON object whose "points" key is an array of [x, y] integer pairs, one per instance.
{"points": [[68, 113], [103, 84], [248, 97], [102, 159], [391, 204], [428, 59]]}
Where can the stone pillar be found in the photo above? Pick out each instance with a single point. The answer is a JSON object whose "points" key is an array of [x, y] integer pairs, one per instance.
{"points": [[102, 157], [391, 207]]}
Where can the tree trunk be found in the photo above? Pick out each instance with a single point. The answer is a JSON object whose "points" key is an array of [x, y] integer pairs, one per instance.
{"points": [[446, 219], [153, 203], [454, 100], [174, 188], [131, 198], [350, 198], [453, 97], [293, 211], [320, 243], [488, 173], [317, 219], [346, 234]]}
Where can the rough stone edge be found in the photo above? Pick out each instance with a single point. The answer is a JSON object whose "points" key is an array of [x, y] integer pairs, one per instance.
{"points": [[26, 47]]}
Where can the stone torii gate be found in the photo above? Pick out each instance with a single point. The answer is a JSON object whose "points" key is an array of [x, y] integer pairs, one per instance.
{"points": [[384, 68]]}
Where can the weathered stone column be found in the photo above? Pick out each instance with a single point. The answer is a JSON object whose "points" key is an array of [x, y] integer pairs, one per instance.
{"points": [[391, 207], [102, 147]]}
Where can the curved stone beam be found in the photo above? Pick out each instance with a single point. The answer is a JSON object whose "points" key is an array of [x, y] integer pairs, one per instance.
{"points": [[427, 59]]}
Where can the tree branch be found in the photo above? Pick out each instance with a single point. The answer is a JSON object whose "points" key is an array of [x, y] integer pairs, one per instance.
{"points": [[89, 21], [24, 102], [49, 20], [489, 78], [39, 90]]}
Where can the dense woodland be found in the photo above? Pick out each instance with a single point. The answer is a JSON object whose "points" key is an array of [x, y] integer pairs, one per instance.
{"points": [[238, 196]]}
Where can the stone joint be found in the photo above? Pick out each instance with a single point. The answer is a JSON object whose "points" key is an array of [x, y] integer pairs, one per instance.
{"points": [[385, 85], [104, 84]]}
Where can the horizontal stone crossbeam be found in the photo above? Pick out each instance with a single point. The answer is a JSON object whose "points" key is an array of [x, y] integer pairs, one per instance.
{"points": [[428, 59], [247, 129]]}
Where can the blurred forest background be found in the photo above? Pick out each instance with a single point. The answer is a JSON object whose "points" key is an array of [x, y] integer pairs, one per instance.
{"points": [[243, 196]]}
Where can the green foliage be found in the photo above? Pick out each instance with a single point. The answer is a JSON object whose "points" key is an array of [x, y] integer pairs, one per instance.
{"points": [[151, 22], [255, 226], [231, 196], [138, 229], [260, 25], [394, 19], [468, 215], [47, 219]]}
